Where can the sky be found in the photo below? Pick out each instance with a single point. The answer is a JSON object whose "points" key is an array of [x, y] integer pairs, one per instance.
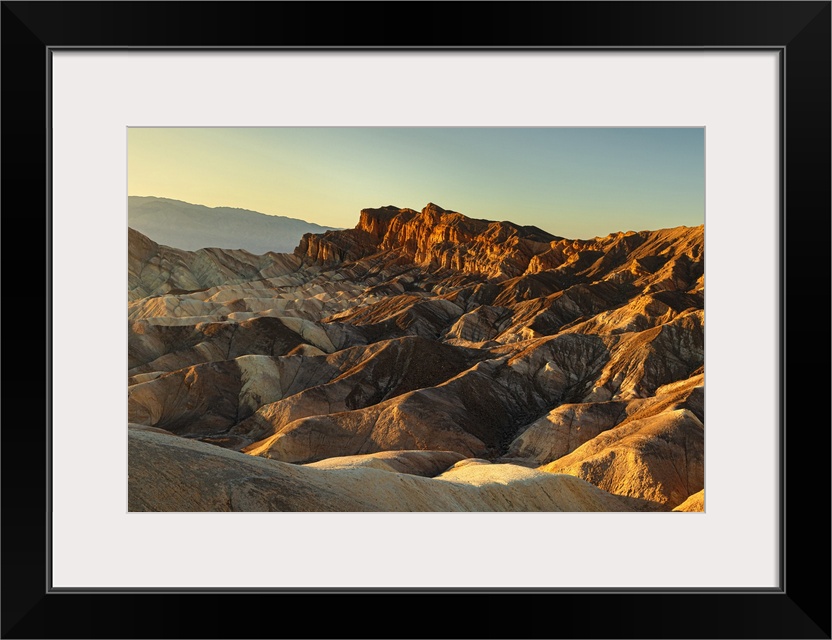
{"points": [[571, 182]]}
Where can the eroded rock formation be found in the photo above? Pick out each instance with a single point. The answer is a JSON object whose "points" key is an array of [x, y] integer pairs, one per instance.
{"points": [[426, 344]]}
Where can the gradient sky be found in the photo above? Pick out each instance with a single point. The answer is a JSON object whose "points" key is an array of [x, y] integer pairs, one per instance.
{"points": [[572, 182]]}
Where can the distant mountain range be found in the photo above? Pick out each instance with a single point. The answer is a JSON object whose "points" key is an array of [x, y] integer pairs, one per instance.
{"points": [[192, 226]]}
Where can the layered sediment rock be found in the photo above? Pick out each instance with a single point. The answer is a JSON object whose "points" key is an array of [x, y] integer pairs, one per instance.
{"points": [[427, 343]]}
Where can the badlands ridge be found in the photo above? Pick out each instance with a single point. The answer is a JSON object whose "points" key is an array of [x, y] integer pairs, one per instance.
{"points": [[422, 361]]}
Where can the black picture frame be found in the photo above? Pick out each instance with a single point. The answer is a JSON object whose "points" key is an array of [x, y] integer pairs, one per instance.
{"points": [[799, 608]]}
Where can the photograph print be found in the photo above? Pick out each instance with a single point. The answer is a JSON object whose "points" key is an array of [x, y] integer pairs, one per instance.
{"points": [[416, 319]]}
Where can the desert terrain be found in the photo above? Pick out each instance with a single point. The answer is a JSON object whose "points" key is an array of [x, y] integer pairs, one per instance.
{"points": [[421, 361]]}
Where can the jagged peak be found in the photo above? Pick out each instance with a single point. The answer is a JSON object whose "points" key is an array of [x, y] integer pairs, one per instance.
{"points": [[431, 207]]}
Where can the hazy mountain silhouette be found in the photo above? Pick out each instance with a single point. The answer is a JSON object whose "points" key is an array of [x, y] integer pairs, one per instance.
{"points": [[193, 226]]}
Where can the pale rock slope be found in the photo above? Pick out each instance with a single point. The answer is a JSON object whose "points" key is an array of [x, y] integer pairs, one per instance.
{"points": [[696, 502], [167, 473], [154, 269]]}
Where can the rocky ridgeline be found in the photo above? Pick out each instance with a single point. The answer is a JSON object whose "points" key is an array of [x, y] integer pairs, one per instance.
{"points": [[471, 351], [433, 239], [439, 239]]}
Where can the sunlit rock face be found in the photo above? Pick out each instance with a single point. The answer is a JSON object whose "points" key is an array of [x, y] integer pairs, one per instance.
{"points": [[696, 502], [448, 350], [432, 239]]}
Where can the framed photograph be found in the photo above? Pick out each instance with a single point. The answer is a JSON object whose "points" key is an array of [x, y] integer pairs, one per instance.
{"points": [[677, 110]]}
